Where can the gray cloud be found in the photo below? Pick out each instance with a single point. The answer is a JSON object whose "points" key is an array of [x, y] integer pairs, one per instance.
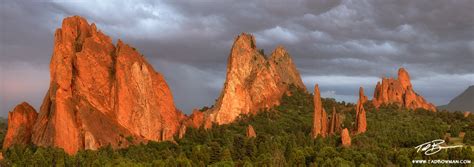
{"points": [[339, 44]]}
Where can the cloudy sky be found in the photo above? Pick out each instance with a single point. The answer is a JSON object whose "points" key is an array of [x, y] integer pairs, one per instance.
{"points": [[340, 45]]}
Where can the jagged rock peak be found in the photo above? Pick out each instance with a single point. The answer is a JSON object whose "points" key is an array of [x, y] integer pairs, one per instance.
{"points": [[400, 92], [245, 40], [100, 94], [20, 125], [404, 78], [253, 81]]}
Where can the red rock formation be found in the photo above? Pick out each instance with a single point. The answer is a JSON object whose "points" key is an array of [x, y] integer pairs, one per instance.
{"points": [[466, 114], [253, 81], [399, 91], [251, 132], [335, 124], [197, 120], [362, 97], [361, 122], [320, 116], [20, 125], [345, 138], [100, 94], [324, 123]]}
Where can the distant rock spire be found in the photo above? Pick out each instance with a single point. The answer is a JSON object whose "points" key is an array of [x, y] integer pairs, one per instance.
{"points": [[319, 116], [361, 122], [335, 124]]}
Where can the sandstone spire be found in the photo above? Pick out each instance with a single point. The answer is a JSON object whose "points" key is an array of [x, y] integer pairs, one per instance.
{"points": [[362, 97], [20, 125], [400, 92], [335, 124], [253, 81], [345, 138], [404, 78], [251, 132], [101, 93], [324, 123], [361, 122], [320, 116]]}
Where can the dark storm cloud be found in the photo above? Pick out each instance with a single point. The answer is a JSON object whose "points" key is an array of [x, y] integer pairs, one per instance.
{"points": [[339, 44]]}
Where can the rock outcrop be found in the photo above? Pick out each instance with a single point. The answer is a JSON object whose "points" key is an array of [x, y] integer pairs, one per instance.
{"points": [[198, 119], [345, 138], [335, 122], [361, 121], [251, 132], [253, 81], [320, 116], [102, 94], [400, 92], [362, 96], [20, 125]]}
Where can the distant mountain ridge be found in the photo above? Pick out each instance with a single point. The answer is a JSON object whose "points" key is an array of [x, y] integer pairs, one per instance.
{"points": [[462, 102]]}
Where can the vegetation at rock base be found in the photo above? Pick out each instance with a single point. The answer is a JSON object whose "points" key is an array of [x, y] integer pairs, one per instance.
{"points": [[283, 139]]}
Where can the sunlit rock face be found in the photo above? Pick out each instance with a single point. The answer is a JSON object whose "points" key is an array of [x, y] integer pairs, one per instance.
{"points": [[250, 132], [361, 120], [345, 138], [319, 117], [100, 94], [400, 92], [20, 125], [253, 82]]}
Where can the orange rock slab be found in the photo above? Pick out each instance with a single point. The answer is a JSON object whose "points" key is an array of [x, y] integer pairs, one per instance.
{"points": [[20, 125]]}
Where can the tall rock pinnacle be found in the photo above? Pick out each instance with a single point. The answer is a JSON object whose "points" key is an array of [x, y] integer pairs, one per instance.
{"points": [[400, 92], [20, 125], [361, 122], [253, 81], [320, 116], [101, 93], [335, 122]]}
